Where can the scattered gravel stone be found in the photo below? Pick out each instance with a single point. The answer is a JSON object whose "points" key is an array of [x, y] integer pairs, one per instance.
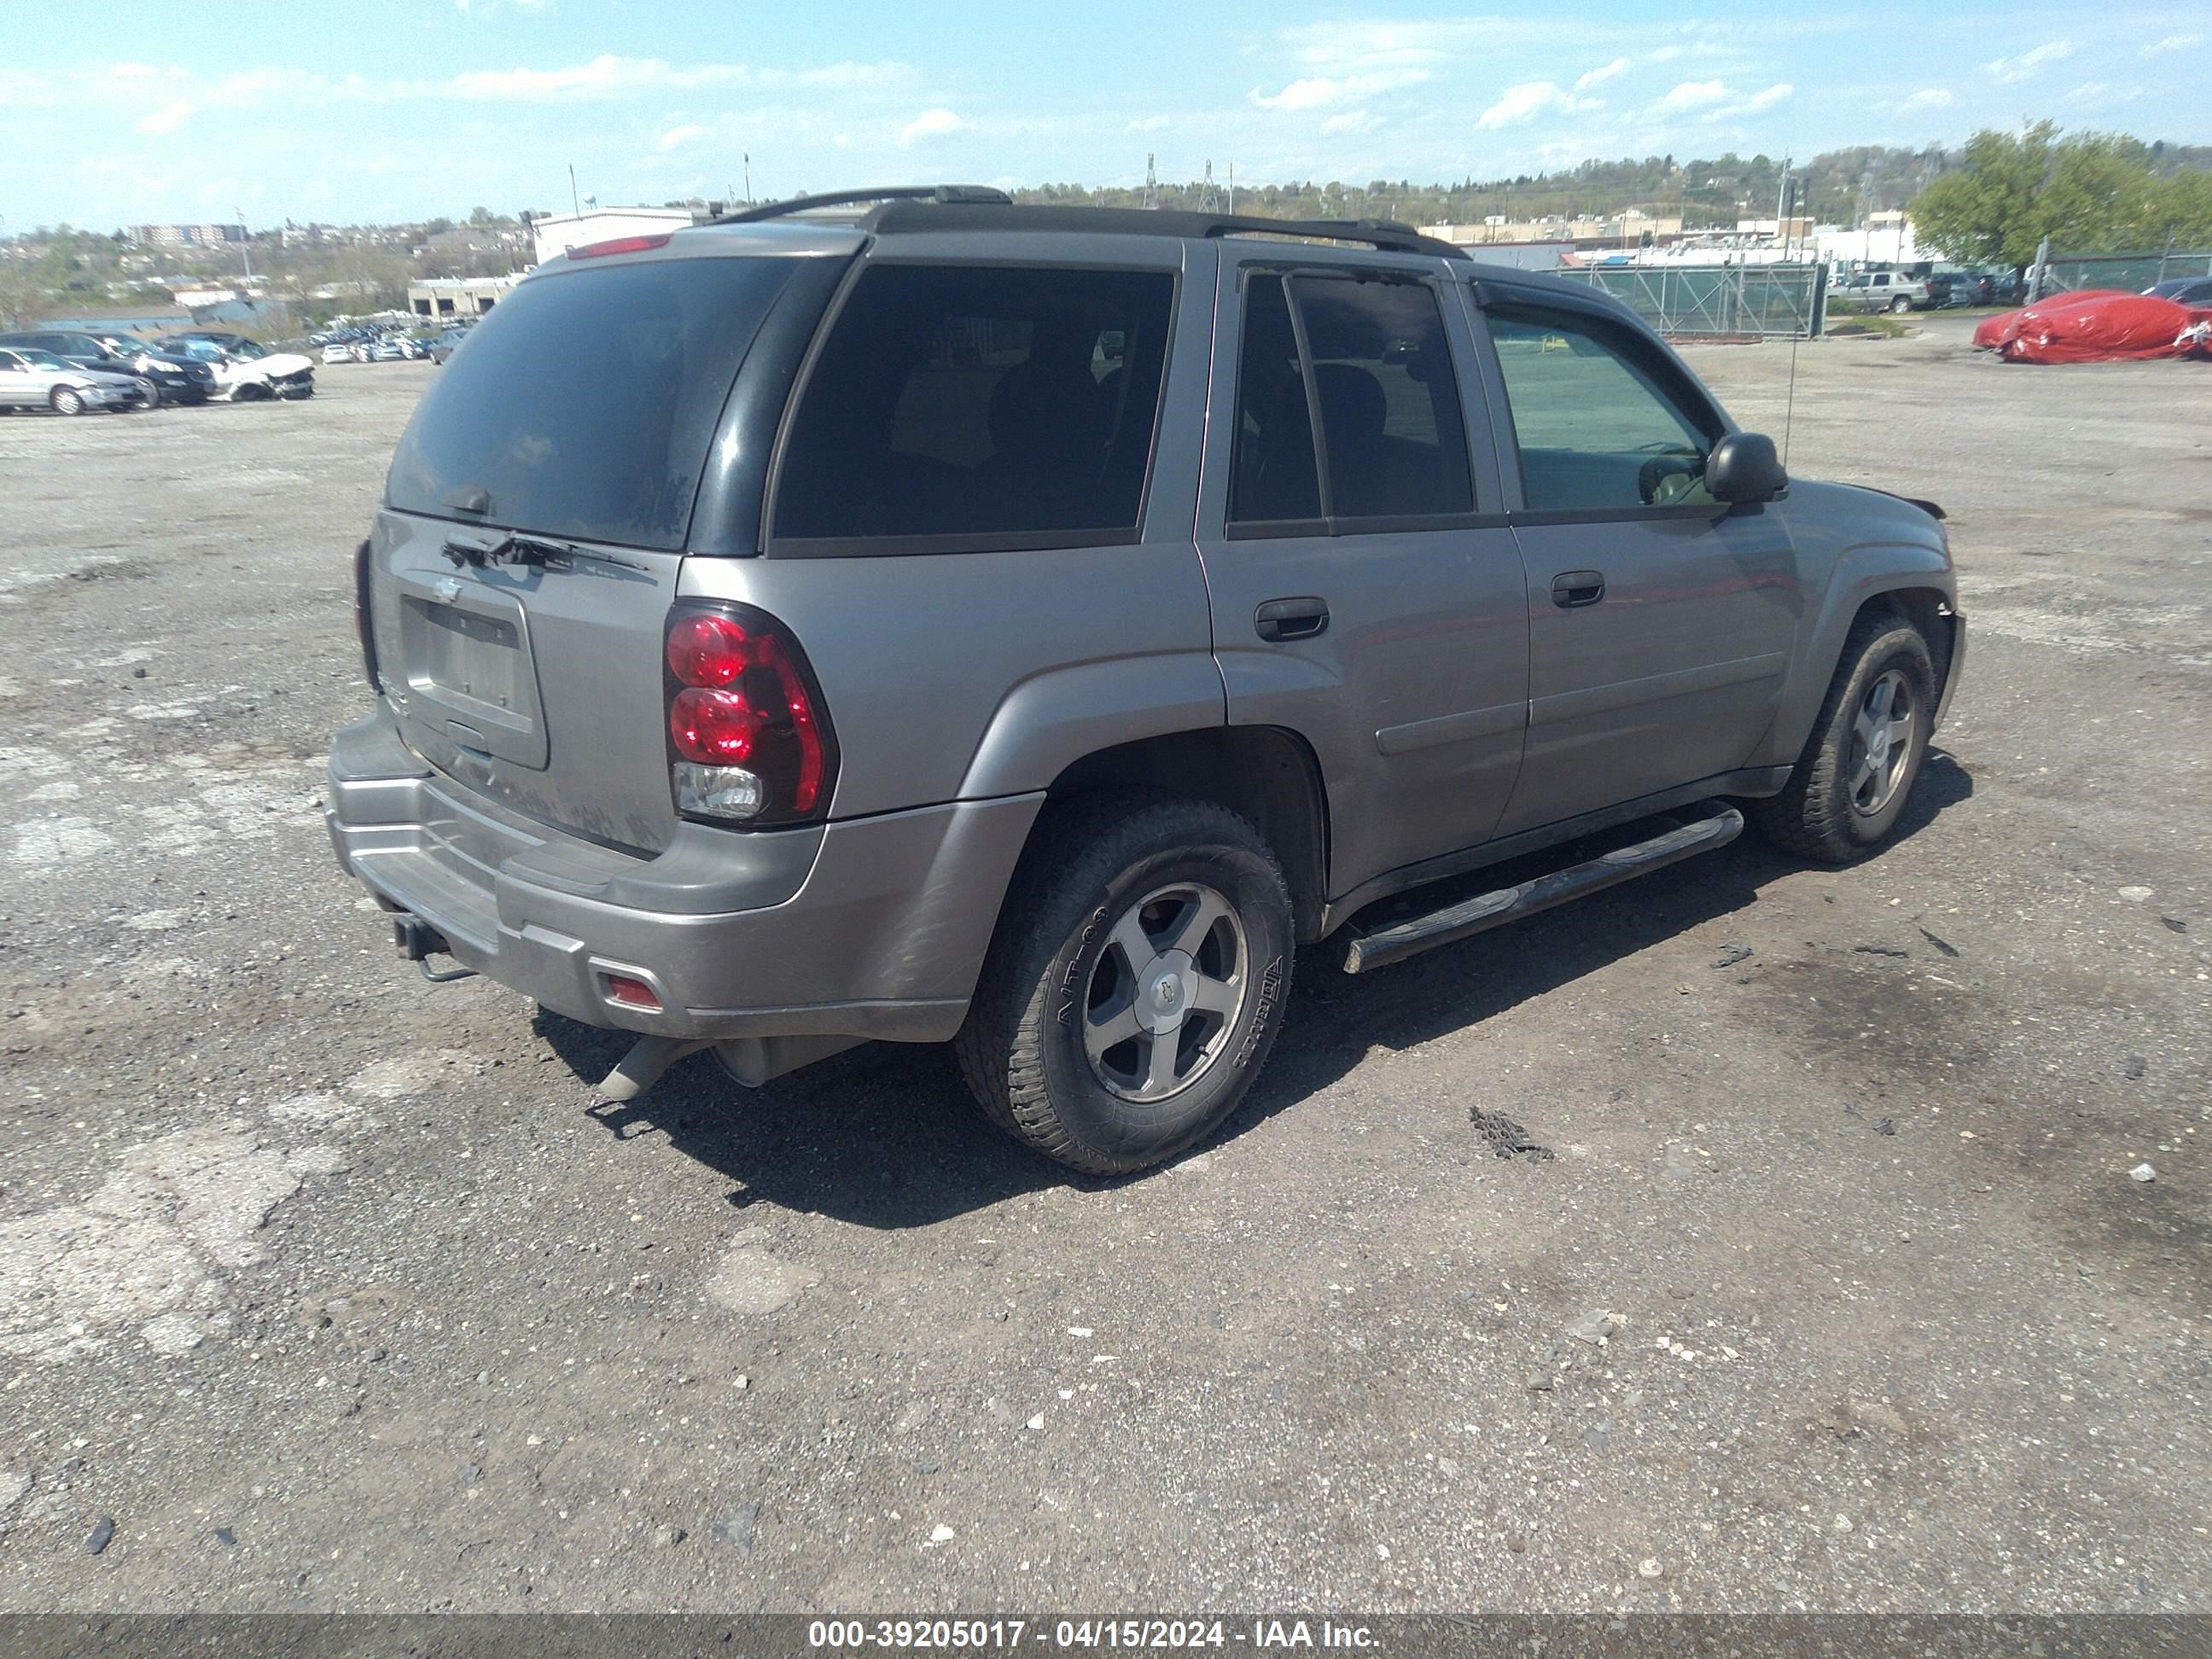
{"points": [[737, 1528], [668, 1537], [14, 1484], [1595, 1326], [1517, 1543], [2175, 923], [2136, 895], [1649, 1567], [1732, 954], [2135, 1066], [1540, 1383], [941, 1533], [1036, 1422], [1448, 1468], [2143, 1172], [102, 1531], [1886, 1126], [224, 1536]]}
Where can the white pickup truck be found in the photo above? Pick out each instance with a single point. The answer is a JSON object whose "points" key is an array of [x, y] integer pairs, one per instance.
{"points": [[1882, 290]]}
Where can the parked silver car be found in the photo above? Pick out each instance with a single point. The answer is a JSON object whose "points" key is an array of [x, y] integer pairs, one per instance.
{"points": [[1033, 627], [31, 379]]}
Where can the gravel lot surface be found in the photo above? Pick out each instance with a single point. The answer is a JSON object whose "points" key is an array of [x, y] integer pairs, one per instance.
{"points": [[321, 1287]]}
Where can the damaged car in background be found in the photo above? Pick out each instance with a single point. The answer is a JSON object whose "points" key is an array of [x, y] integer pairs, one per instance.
{"points": [[245, 371]]}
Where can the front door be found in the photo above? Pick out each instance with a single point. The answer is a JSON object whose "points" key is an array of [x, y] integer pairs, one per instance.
{"points": [[1366, 592], [1659, 623]]}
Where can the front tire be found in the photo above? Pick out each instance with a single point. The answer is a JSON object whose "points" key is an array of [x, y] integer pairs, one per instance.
{"points": [[1850, 784], [67, 402], [1136, 983]]}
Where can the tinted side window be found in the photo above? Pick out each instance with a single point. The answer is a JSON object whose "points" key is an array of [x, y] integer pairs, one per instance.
{"points": [[1273, 478], [966, 400], [1598, 428], [1392, 435]]}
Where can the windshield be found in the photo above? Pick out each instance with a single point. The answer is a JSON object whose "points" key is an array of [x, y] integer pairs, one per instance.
{"points": [[584, 405]]}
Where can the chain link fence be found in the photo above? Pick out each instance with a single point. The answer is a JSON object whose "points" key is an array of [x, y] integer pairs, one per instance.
{"points": [[2130, 273], [1724, 302]]}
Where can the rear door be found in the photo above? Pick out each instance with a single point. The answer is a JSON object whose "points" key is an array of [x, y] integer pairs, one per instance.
{"points": [[1366, 592], [581, 416], [1659, 623]]}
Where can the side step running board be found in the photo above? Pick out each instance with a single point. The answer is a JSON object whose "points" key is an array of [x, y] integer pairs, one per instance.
{"points": [[1488, 911]]}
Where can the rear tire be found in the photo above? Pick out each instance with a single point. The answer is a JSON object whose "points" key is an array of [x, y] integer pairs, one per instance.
{"points": [[1100, 1060], [1899, 306], [1850, 784]]}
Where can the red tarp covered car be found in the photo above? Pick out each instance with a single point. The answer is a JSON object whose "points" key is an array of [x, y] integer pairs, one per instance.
{"points": [[2113, 329], [1993, 333]]}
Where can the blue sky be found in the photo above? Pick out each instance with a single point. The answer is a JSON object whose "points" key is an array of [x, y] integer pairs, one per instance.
{"points": [[333, 110]]}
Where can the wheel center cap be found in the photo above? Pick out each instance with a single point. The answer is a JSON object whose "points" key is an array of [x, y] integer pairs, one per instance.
{"points": [[1164, 991]]}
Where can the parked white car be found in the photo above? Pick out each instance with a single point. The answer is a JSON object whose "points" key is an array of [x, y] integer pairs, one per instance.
{"points": [[37, 380], [245, 371]]}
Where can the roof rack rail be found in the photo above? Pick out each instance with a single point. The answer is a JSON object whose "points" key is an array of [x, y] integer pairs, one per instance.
{"points": [[967, 195], [1389, 233]]}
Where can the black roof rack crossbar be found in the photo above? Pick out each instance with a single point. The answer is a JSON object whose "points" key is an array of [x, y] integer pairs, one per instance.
{"points": [[966, 194]]}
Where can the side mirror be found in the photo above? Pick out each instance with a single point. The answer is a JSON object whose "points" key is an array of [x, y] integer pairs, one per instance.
{"points": [[1743, 468]]}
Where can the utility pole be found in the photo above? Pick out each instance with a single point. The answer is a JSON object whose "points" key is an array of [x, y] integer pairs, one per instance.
{"points": [[1208, 201], [1152, 183], [1232, 204], [749, 178], [574, 206], [245, 244]]}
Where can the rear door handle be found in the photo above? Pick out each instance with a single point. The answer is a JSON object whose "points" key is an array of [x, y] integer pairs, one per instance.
{"points": [[1571, 588], [1291, 619]]}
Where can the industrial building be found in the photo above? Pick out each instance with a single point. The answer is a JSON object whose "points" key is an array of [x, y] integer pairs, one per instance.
{"points": [[457, 296]]}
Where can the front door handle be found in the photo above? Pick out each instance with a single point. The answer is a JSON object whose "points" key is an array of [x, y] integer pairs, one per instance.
{"points": [[1291, 619], [1571, 588]]}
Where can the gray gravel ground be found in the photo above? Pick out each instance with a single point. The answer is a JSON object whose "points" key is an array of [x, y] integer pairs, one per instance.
{"points": [[331, 1289]]}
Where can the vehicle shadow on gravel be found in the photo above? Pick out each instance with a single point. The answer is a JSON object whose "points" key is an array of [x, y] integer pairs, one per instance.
{"points": [[885, 1135]]}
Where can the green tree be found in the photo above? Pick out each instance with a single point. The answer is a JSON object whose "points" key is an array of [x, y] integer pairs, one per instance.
{"points": [[2090, 192]]}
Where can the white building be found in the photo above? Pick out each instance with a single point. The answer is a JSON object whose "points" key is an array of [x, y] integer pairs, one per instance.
{"points": [[556, 234], [1885, 239]]}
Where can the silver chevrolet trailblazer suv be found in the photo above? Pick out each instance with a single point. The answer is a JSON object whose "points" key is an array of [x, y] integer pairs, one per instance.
{"points": [[910, 615]]}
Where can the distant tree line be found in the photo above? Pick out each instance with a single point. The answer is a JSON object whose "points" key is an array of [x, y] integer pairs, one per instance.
{"points": [[2089, 192]]}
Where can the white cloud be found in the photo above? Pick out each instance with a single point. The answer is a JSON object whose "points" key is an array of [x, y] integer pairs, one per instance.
{"points": [[676, 137], [168, 118], [1317, 91], [1604, 72], [1301, 95], [2172, 43], [1350, 120], [2027, 64], [1926, 98], [1519, 105], [1691, 94], [1149, 124], [1777, 93], [930, 123], [603, 76]]}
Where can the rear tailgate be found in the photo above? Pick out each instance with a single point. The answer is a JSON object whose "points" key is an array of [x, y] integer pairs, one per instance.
{"points": [[537, 686], [575, 430]]}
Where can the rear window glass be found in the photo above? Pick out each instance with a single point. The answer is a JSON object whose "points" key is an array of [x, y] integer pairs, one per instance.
{"points": [[968, 400], [584, 405]]}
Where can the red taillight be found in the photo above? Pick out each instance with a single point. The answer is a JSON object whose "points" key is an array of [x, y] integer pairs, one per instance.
{"points": [[745, 726], [714, 728], [709, 649], [619, 245]]}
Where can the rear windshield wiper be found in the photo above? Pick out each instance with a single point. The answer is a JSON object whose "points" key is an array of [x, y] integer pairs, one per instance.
{"points": [[518, 548]]}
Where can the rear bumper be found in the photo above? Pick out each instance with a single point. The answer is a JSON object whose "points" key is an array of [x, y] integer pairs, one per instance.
{"points": [[875, 927]]}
